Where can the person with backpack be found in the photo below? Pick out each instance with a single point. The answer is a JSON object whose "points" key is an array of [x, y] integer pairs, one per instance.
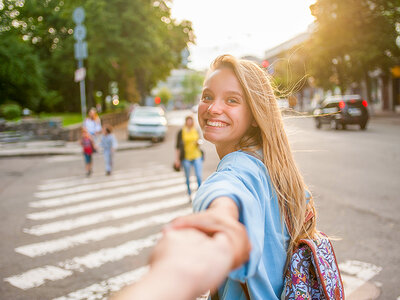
{"points": [[188, 153], [88, 147], [257, 182], [256, 201]]}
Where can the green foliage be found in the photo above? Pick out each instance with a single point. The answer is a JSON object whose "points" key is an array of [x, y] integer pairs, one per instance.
{"points": [[21, 72], [133, 42], [165, 94], [353, 37], [10, 111], [67, 118], [192, 85]]}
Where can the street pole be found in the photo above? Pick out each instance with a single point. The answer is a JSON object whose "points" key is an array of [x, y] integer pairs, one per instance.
{"points": [[80, 52], [83, 92]]}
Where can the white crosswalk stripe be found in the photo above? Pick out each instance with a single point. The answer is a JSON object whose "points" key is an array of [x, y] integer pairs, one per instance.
{"points": [[38, 276], [51, 246], [104, 193], [109, 215], [99, 290], [105, 185], [136, 200], [77, 181], [54, 213]]}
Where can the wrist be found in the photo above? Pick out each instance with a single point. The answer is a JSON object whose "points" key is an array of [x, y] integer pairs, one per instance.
{"points": [[174, 283]]}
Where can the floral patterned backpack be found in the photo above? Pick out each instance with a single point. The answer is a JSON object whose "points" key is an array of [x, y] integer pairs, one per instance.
{"points": [[313, 272]]}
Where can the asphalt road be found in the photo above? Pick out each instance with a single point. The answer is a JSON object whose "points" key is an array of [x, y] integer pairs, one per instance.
{"points": [[68, 237]]}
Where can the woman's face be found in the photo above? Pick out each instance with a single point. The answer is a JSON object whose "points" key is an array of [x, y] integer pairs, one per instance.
{"points": [[189, 122], [224, 115]]}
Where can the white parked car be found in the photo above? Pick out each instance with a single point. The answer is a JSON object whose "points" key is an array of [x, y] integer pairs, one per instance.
{"points": [[147, 122]]}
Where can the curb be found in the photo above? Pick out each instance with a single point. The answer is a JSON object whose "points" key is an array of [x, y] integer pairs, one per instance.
{"points": [[64, 151]]}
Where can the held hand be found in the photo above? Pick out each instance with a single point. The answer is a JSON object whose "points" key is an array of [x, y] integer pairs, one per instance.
{"points": [[197, 261], [213, 223]]}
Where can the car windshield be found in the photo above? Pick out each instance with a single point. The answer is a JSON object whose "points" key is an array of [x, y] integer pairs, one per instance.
{"points": [[147, 113]]}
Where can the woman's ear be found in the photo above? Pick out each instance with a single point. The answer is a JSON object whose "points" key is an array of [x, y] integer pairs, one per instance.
{"points": [[254, 123]]}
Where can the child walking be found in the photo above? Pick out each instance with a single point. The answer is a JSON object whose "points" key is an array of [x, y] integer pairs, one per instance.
{"points": [[109, 144], [88, 148]]}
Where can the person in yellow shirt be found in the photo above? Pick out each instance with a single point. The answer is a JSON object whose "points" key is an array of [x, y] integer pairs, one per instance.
{"points": [[188, 153]]}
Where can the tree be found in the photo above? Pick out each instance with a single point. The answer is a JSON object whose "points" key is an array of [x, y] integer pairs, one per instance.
{"points": [[165, 94], [352, 38], [133, 42], [192, 84]]}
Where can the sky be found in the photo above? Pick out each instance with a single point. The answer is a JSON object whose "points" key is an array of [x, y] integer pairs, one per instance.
{"points": [[240, 27]]}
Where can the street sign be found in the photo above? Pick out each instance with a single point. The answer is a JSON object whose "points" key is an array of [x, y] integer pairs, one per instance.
{"points": [[81, 51], [79, 33], [78, 15], [80, 74]]}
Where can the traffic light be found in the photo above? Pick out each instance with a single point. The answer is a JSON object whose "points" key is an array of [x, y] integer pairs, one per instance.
{"points": [[157, 100]]}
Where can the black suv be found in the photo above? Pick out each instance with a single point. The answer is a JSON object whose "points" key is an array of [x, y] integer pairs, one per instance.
{"points": [[338, 111]]}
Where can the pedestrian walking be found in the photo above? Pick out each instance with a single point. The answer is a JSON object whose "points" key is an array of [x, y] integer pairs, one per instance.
{"points": [[88, 147], [93, 124], [109, 145], [188, 153]]}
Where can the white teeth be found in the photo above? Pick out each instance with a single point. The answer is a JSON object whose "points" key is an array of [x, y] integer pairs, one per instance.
{"points": [[216, 124]]}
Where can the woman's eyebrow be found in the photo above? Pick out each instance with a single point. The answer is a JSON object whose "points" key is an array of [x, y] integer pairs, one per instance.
{"points": [[234, 93]]}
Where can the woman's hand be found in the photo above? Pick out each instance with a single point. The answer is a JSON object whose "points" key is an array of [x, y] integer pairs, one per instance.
{"points": [[199, 262], [177, 163], [216, 222]]}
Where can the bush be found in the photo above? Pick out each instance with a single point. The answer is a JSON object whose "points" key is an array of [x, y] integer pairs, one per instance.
{"points": [[11, 111]]}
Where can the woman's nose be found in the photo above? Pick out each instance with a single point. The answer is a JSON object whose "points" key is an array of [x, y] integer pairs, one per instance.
{"points": [[215, 107]]}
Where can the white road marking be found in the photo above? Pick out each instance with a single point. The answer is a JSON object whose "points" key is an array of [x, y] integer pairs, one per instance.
{"points": [[356, 273], [96, 218], [84, 207], [105, 193], [95, 235], [105, 287], [105, 185], [38, 276], [78, 179]]}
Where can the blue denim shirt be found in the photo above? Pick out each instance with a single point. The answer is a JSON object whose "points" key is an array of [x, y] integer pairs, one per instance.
{"points": [[245, 179]]}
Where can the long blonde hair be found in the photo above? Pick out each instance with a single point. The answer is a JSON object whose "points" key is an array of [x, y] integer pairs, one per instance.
{"points": [[271, 137]]}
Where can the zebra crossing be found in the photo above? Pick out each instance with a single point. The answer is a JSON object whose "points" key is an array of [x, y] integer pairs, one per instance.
{"points": [[86, 213], [82, 215]]}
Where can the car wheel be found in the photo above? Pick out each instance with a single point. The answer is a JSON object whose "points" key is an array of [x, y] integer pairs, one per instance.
{"points": [[318, 124], [334, 124], [363, 126]]}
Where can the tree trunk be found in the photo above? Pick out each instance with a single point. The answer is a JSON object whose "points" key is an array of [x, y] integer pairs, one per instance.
{"points": [[368, 87], [90, 94], [385, 92]]}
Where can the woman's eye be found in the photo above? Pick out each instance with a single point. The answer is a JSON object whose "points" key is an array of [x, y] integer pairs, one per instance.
{"points": [[206, 98], [232, 100]]}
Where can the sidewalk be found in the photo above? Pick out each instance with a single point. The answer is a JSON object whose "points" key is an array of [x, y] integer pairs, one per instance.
{"points": [[39, 148], [387, 117]]}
